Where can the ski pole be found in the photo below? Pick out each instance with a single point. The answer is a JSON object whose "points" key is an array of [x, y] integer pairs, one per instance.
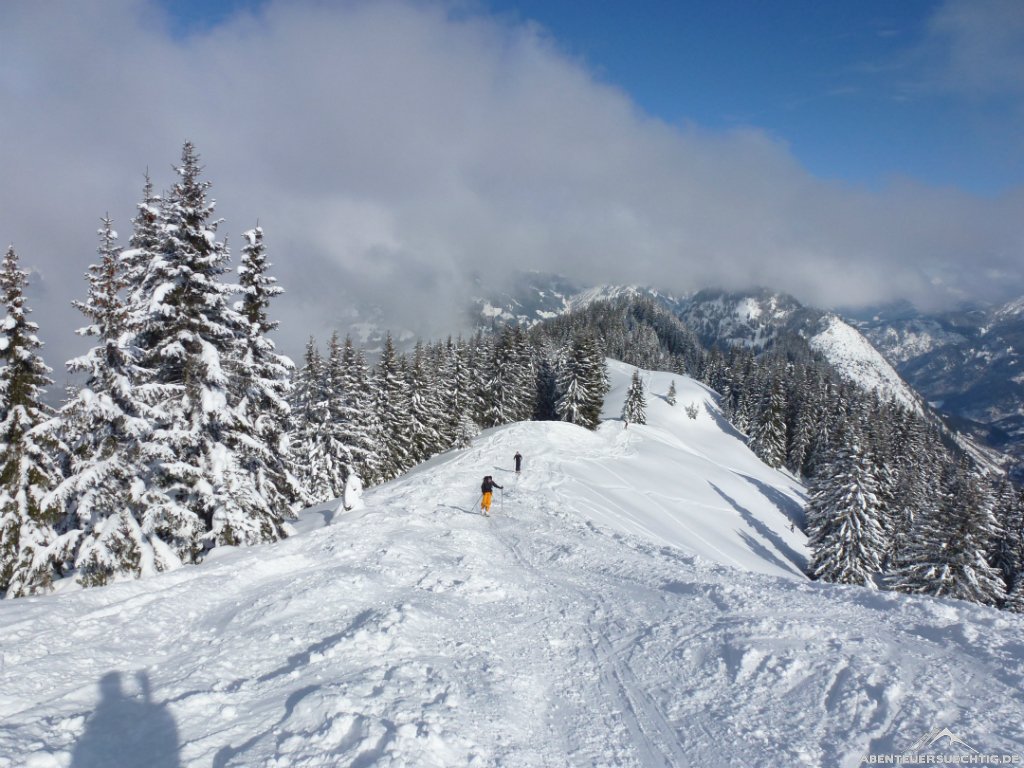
{"points": [[502, 500]]}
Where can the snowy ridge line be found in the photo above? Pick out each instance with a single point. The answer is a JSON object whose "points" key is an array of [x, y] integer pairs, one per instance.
{"points": [[578, 628]]}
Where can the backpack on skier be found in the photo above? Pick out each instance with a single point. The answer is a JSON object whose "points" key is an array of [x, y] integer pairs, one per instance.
{"points": [[487, 490]]}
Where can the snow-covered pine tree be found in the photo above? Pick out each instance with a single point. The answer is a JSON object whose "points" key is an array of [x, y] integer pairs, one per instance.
{"points": [[800, 444], [948, 554], [546, 384], [392, 406], [456, 397], [845, 536], [525, 384], [634, 409], [309, 415], [362, 431], [582, 382], [424, 416], [144, 242], [200, 495], [30, 558], [106, 430], [918, 469], [1015, 597], [671, 397], [769, 438], [503, 390], [337, 459], [262, 379], [1009, 513], [480, 358]]}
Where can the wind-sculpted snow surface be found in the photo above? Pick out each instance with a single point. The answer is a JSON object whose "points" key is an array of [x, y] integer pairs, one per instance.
{"points": [[636, 600]]}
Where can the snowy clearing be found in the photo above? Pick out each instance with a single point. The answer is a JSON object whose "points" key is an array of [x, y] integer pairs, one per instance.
{"points": [[636, 600]]}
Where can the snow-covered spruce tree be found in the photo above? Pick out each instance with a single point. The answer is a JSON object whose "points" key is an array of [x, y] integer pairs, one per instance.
{"points": [[144, 242], [948, 554], [503, 392], [546, 384], [671, 397], [336, 458], [262, 380], [769, 438], [479, 361], [582, 383], [525, 384], [310, 417], [456, 394], [106, 431], [1009, 513], [362, 432], [200, 495], [1015, 597], [634, 410], [845, 536], [29, 556], [392, 406], [917, 486], [802, 439], [424, 416]]}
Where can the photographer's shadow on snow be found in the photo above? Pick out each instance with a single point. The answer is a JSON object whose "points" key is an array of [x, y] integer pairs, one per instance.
{"points": [[127, 729]]}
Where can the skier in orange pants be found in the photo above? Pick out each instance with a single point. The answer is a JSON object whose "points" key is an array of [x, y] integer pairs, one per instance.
{"points": [[487, 489]]}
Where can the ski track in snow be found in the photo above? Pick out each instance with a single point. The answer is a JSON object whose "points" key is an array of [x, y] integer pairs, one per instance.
{"points": [[573, 628]]}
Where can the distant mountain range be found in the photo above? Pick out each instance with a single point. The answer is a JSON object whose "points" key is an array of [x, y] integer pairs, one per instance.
{"points": [[966, 365], [754, 319]]}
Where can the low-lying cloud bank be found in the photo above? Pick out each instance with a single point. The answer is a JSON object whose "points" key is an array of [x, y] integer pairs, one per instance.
{"points": [[391, 150]]}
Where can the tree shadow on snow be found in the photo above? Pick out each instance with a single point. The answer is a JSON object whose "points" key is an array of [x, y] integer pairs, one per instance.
{"points": [[785, 504], [795, 559], [725, 425], [127, 730]]}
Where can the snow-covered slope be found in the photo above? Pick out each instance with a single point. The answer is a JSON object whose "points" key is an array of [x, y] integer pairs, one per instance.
{"points": [[853, 356], [635, 601]]}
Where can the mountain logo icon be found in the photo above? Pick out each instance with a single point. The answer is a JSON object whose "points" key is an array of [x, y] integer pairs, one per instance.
{"points": [[930, 738]]}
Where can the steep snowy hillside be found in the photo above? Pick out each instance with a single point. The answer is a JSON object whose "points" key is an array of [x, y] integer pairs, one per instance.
{"points": [[636, 600], [855, 359], [760, 318]]}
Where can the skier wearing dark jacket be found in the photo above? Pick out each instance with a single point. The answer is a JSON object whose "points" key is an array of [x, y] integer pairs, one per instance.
{"points": [[487, 488], [519, 461]]}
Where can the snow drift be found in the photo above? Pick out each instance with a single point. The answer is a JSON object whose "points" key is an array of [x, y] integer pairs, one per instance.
{"points": [[637, 600]]}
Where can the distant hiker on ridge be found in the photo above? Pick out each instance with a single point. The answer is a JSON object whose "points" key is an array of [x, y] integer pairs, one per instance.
{"points": [[519, 461], [487, 488]]}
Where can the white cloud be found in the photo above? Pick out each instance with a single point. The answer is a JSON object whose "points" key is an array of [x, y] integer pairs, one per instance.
{"points": [[980, 45], [392, 149]]}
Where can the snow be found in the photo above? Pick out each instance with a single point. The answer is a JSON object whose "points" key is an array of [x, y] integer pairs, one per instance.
{"points": [[489, 311], [748, 309], [598, 293], [855, 358], [635, 600], [1011, 309]]}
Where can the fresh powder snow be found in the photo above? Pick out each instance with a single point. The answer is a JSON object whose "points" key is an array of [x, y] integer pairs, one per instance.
{"points": [[855, 358], [636, 599]]}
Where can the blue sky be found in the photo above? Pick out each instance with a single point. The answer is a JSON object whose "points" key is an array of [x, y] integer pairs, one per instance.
{"points": [[855, 89]]}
